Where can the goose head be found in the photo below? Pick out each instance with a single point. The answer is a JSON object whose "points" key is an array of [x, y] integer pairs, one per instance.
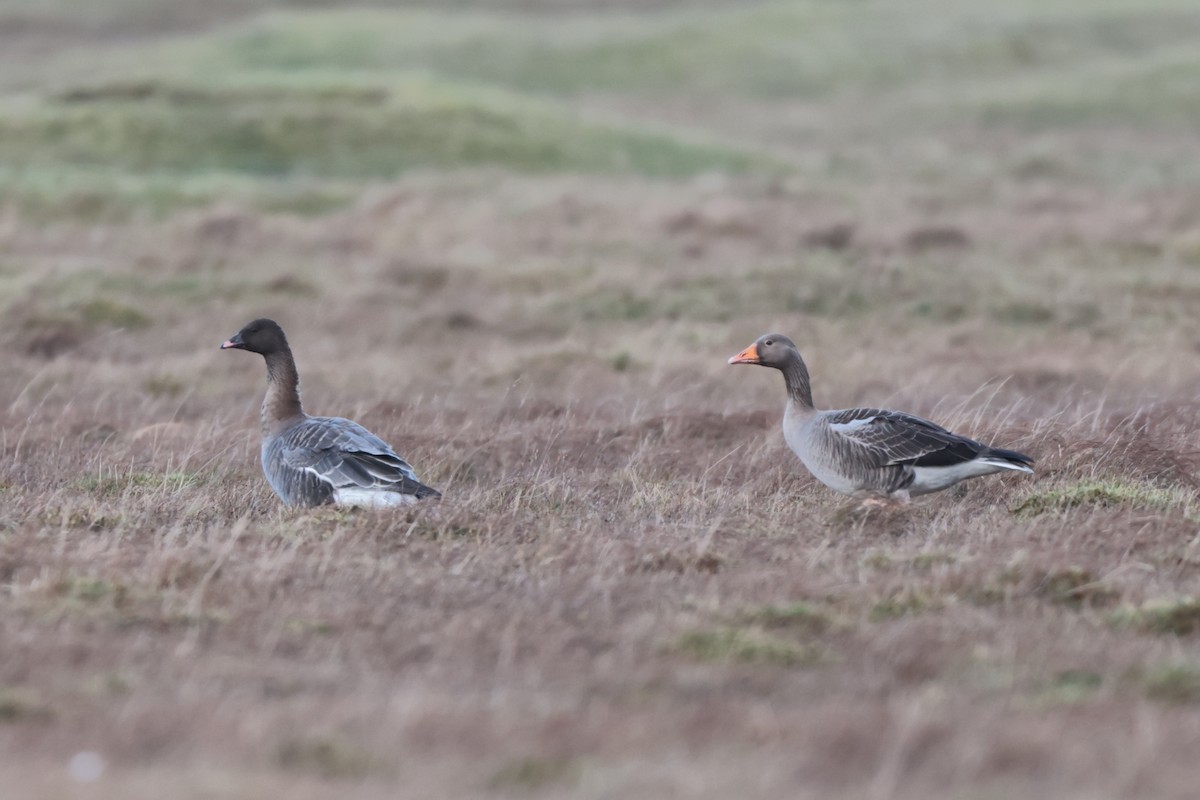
{"points": [[263, 336], [771, 350]]}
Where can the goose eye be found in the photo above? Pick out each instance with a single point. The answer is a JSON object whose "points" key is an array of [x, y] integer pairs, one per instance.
{"points": [[769, 342]]}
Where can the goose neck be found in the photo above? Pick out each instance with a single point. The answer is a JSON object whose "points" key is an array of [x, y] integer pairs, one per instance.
{"points": [[282, 402], [799, 388]]}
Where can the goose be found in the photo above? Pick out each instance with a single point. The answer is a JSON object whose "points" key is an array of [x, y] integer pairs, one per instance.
{"points": [[883, 457], [312, 461]]}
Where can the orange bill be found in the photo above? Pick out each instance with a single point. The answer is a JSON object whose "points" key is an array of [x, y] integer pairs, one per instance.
{"points": [[747, 356]]}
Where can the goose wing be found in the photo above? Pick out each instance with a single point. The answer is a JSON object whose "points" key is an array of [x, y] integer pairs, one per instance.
{"points": [[345, 455], [892, 438]]}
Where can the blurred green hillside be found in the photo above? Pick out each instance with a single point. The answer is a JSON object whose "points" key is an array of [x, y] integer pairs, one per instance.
{"points": [[132, 106]]}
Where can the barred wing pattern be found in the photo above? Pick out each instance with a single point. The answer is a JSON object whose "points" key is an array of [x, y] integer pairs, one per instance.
{"points": [[892, 438], [321, 458]]}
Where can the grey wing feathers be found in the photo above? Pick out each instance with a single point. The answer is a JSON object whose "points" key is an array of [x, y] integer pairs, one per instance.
{"points": [[344, 454], [894, 438]]}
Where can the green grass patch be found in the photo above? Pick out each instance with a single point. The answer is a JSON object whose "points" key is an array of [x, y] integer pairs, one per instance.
{"points": [[1024, 313], [18, 704], [109, 313], [926, 562], [111, 151], [308, 627], [745, 646], [332, 757], [117, 485], [326, 97], [1099, 494], [902, 603], [1075, 587], [709, 298], [536, 773], [55, 190], [116, 603], [341, 132], [800, 617], [162, 385], [1171, 683], [110, 684], [751, 50], [1067, 688], [1168, 617], [89, 589], [940, 311]]}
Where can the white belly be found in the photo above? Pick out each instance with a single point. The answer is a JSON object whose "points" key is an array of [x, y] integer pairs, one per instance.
{"points": [[370, 498]]}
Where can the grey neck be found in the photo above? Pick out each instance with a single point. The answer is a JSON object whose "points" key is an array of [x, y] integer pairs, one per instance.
{"points": [[795, 375], [282, 403]]}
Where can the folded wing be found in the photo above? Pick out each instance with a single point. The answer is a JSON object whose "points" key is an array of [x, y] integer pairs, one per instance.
{"points": [[892, 438], [344, 456]]}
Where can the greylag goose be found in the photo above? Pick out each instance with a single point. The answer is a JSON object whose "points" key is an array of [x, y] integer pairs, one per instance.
{"points": [[310, 461], [881, 456]]}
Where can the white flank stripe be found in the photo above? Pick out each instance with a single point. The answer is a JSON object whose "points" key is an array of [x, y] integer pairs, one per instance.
{"points": [[371, 498], [854, 424]]}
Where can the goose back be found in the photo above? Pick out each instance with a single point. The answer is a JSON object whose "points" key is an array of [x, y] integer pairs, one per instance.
{"points": [[318, 460], [872, 450]]}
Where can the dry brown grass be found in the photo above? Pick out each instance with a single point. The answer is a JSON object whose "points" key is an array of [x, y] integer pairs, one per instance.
{"points": [[631, 588], [588, 609]]}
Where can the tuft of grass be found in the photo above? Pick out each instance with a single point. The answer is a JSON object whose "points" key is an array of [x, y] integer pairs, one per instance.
{"points": [[746, 646], [879, 560], [993, 591], [328, 756], [18, 704], [109, 486], [927, 561], [800, 617], [1177, 683], [535, 773], [89, 589], [1169, 617], [1067, 688], [902, 603], [51, 190], [110, 313], [108, 684], [1024, 313], [162, 385], [1076, 587], [306, 627], [622, 305], [291, 285], [940, 311], [1098, 494], [830, 301]]}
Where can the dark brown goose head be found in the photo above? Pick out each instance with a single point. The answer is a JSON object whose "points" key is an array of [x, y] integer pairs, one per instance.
{"points": [[263, 336]]}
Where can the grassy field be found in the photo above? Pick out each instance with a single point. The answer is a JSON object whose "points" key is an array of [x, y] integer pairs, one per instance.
{"points": [[519, 240]]}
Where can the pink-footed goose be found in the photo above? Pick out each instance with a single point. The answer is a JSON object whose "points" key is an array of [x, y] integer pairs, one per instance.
{"points": [[881, 456], [311, 461]]}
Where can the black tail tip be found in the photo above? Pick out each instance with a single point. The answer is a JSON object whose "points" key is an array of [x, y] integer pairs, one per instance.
{"points": [[1011, 455]]}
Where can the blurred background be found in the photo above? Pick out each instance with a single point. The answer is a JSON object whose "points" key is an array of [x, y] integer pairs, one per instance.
{"points": [[520, 240], [988, 174]]}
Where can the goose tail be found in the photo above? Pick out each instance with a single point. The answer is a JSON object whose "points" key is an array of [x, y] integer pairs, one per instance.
{"points": [[1007, 459]]}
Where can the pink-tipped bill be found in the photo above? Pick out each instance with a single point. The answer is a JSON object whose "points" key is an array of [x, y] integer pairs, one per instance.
{"points": [[747, 356]]}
